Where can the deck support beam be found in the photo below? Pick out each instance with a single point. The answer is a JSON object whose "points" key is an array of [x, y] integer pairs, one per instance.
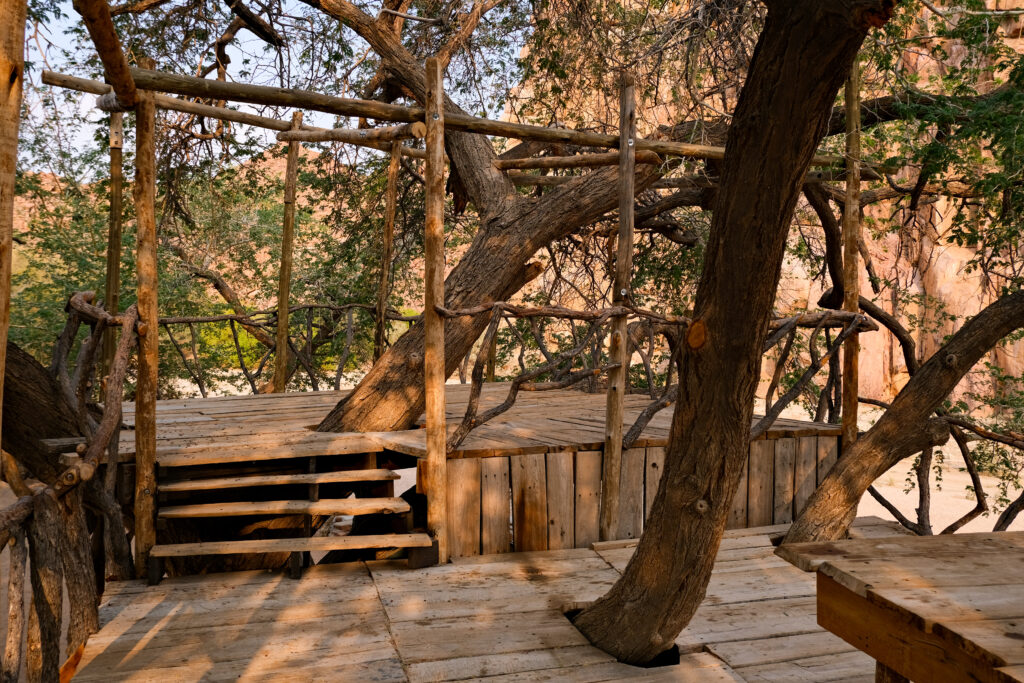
{"points": [[148, 328], [387, 247], [618, 377], [433, 360], [284, 282], [851, 251]]}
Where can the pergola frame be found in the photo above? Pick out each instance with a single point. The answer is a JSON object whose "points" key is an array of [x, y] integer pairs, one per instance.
{"points": [[141, 89]]}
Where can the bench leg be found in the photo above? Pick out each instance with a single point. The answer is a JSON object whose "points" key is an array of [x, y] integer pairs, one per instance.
{"points": [[154, 570], [295, 565], [423, 557]]}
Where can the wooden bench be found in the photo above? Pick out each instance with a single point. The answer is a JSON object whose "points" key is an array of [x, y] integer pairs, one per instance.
{"points": [[933, 608]]}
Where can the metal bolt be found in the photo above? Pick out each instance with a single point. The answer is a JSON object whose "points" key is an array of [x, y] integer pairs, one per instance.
{"points": [[146, 491], [630, 142], [623, 292], [436, 116]]}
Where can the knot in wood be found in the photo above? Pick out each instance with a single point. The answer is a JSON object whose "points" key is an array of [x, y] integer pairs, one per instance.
{"points": [[696, 336], [701, 506], [142, 329], [950, 360]]}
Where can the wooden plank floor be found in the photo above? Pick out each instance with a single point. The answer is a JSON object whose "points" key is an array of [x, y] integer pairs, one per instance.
{"points": [[278, 425], [496, 617]]}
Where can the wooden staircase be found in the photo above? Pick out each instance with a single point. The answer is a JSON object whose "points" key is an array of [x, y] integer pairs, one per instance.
{"points": [[283, 479]]}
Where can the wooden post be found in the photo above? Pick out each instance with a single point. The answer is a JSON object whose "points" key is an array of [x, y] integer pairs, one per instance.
{"points": [[12, 66], [388, 239], [112, 291], [618, 378], [433, 361], [146, 278], [284, 281], [851, 235]]}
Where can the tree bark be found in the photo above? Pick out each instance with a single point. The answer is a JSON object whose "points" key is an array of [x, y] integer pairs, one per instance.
{"points": [[34, 408], [905, 428], [803, 55], [496, 264]]}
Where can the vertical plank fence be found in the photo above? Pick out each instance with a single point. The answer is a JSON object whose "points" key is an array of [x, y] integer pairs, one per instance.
{"points": [[549, 501]]}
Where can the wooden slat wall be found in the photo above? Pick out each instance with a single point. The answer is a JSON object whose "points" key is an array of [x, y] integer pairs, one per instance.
{"points": [[543, 501]]}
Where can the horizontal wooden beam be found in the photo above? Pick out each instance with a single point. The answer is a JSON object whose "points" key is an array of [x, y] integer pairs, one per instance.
{"points": [[381, 111], [169, 103], [357, 136], [574, 161], [521, 179]]}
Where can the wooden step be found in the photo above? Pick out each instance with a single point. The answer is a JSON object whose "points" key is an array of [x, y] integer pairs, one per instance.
{"points": [[343, 506], [278, 480], [293, 545], [252, 447]]}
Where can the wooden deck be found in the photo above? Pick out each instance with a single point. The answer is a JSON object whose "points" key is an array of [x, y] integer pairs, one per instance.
{"points": [[496, 617], [278, 425]]}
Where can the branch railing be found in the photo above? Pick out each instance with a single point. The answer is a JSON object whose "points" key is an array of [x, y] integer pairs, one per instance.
{"points": [[646, 326]]}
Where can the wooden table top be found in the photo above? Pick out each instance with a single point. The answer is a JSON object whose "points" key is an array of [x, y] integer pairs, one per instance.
{"points": [[942, 608]]}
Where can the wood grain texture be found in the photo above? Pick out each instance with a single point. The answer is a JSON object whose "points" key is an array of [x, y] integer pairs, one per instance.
{"points": [[760, 487], [804, 472], [464, 507], [652, 476], [631, 493], [588, 498], [828, 454], [737, 518], [784, 480], [529, 502], [561, 518], [495, 506]]}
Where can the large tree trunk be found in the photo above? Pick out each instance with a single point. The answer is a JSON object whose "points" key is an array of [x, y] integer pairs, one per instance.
{"points": [[803, 55], [34, 409], [905, 428]]}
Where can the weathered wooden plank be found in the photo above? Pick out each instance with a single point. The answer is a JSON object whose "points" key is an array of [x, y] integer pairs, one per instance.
{"points": [[759, 483], [281, 545], [561, 531], [217, 483], [529, 502], [588, 498], [631, 493], [777, 649], [652, 476], [464, 507], [343, 506], [885, 634], [738, 509], [785, 467], [804, 472], [828, 453], [495, 506]]}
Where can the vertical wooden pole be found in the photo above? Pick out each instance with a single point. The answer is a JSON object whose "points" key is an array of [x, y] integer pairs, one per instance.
{"points": [[284, 281], [388, 239], [12, 68], [146, 279], [433, 361], [618, 378], [112, 291], [851, 235]]}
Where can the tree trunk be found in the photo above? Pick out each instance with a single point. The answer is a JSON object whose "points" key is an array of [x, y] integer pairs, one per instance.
{"points": [[35, 408], [905, 428], [803, 55]]}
